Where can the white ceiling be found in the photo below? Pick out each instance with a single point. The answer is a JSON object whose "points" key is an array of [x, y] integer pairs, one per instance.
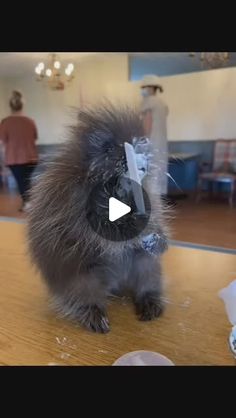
{"points": [[13, 64], [16, 64], [168, 63]]}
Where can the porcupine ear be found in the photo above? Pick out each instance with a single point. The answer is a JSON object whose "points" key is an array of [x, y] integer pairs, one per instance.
{"points": [[99, 143]]}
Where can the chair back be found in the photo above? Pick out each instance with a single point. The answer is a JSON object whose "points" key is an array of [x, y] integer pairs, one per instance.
{"points": [[225, 156]]}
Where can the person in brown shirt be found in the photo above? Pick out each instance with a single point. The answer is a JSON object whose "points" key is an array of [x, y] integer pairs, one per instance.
{"points": [[19, 135]]}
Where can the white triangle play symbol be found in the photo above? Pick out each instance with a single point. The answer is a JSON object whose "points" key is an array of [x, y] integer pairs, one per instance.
{"points": [[117, 209]]}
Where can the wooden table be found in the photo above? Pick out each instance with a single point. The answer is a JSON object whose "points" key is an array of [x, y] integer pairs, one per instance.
{"points": [[194, 329]]}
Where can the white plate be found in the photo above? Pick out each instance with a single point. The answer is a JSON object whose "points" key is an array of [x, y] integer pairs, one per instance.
{"points": [[143, 358]]}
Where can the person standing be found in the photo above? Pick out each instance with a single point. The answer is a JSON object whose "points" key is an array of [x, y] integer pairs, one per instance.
{"points": [[19, 134], [154, 112]]}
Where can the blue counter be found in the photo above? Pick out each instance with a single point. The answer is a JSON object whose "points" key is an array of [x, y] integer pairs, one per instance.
{"points": [[183, 168]]}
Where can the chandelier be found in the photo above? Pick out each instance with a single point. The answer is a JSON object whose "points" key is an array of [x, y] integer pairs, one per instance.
{"points": [[54, 74], [213, 59]]}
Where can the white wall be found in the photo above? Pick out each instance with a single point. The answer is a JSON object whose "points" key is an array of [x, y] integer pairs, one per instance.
{"points": [[3, 99], [105, 76], [202, 105]]}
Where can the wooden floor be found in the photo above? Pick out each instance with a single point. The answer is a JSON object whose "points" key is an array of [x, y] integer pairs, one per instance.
{"points": [[211, 222], [193, 330], [10, 203]]}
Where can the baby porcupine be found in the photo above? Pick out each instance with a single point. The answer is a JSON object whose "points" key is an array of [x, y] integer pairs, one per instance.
{"points": [[80, 267]]}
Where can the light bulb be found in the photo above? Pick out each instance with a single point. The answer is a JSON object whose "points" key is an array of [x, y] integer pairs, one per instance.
{"points": [[37, 70], [68, 71], [48, 72], [41, 66], [57, 65], [70, 67]]}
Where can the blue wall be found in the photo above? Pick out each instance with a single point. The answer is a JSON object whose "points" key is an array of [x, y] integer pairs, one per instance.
{"points": [[203, 148], [184, 173]]}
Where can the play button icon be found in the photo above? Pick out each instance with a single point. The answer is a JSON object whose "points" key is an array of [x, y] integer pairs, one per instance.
{"points": [[112, 211], [117, 209]]}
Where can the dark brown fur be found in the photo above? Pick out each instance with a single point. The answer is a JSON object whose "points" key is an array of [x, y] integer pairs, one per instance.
{"points": [[81, 268]]}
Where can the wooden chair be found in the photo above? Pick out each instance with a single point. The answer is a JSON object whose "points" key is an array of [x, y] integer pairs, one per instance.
{"points": [[223, 169]]}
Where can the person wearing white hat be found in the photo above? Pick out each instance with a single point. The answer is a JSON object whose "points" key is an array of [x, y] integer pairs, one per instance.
{"points": [[154, 113]]}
